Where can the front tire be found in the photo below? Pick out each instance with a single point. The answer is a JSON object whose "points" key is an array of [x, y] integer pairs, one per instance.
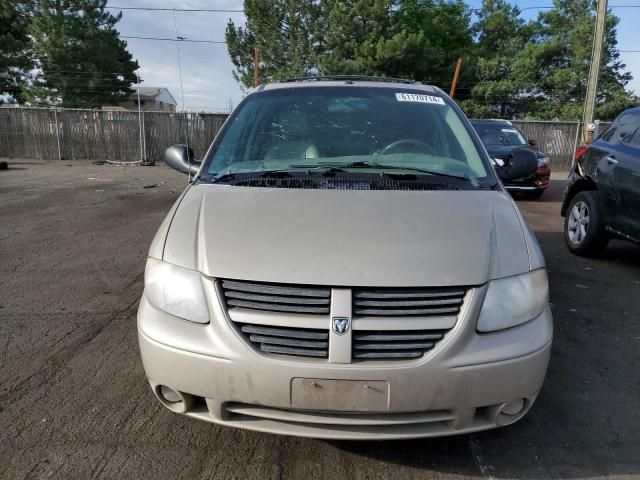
{"points": [[583, 226]]}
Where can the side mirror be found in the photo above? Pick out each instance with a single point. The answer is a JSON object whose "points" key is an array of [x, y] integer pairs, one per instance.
{"points": [[521, 163], [532, 142], [180, 158]]}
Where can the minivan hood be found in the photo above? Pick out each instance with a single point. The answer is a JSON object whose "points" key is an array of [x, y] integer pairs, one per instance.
{"points": [[348, 237]]}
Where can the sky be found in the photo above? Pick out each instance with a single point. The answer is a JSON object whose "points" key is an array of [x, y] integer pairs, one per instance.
{"points": [[207, 80]]}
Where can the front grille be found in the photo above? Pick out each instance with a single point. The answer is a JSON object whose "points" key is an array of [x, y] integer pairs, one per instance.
{"points": [[294, 320], [390, 302], [387, 344], [276, 297], [303, 342]]}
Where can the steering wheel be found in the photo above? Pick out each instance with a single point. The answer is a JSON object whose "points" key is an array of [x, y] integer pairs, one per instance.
{"points": [[416, 146]]}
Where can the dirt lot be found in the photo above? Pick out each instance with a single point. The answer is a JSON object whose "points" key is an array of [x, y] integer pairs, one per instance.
{"points": [[74, 402]]}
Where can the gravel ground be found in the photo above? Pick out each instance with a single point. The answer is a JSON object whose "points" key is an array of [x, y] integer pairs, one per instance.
{"points": [[74, 402]]}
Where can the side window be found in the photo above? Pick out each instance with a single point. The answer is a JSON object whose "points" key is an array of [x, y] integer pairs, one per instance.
{"points": [[610, 135], [634, 139], [627, 125]]}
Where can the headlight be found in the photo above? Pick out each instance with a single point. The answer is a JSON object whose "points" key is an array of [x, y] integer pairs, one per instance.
{"points": [[175, 290], [543, 161], [514, 300]]}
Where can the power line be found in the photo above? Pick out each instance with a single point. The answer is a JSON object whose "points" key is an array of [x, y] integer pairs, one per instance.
{"points": [[160, 9], [546, 7], [231, 10], [168, 39]]}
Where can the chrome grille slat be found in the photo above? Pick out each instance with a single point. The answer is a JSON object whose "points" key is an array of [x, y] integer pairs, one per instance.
{"points": [[404, 311], [275, 297], [285, 332], [387, 355], [302, 352], [393, 344], [277, 307], [396, 336], [397, 302], [409, 303], [402, 293], [276, 289], [287, 341]]}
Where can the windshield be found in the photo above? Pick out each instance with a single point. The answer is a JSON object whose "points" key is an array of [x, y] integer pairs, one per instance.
{"points": [[347, 127], [499, 134]]}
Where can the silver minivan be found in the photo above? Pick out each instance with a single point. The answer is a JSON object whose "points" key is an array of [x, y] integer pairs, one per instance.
{"points": [[345, 263]]}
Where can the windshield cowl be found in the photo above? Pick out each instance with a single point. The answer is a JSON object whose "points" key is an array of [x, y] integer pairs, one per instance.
{"points": [[344, 179]]}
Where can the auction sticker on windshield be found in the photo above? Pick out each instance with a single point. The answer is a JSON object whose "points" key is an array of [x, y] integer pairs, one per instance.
{"points": [[416, 97]]}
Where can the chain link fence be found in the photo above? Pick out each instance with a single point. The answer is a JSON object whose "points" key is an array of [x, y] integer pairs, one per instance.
{"points": [[558, 140], [126, 136]]}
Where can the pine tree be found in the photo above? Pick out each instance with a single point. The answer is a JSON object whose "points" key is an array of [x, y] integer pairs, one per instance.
{"points": [[83, 61], [555, 66], [417, 39], [355, 35], [15, 48], [445, 35], [501, 37], [282, 32]]}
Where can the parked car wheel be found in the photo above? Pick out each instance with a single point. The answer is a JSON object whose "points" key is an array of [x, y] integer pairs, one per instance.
{"points": [[583, 229]]}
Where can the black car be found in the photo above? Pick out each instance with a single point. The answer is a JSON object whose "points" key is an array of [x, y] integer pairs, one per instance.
{"points": [[602, 194], [501, 138]]}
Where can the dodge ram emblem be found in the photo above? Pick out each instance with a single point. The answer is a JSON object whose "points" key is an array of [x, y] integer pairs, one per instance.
{"points": [[341, 325]]}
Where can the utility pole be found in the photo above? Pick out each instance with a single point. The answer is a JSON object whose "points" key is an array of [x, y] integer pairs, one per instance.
{"points": [[594, 70], [456, 74], [256, 67]]}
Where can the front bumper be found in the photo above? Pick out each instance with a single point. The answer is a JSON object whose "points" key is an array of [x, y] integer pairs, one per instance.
{"points": [[538, 182], [460, 386]]}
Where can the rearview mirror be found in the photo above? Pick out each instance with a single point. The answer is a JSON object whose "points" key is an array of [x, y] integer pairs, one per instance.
{"points": [[180, 158], [521, 163]]}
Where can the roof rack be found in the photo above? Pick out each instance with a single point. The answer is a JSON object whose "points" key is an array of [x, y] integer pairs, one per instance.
{"points": [[366, 78]]}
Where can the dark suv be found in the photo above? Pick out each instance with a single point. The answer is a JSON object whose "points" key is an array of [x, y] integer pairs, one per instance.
{"points": [[501, 138], [602, 194]]}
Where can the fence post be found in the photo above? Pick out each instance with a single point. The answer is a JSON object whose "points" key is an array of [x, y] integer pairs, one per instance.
{"points": [[141, 128], [144, 136], [55, 116]]}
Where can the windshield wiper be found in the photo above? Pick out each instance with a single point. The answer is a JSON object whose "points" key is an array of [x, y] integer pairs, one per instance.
{"points": [[382, 166], [315, 168], [222, 177]]}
